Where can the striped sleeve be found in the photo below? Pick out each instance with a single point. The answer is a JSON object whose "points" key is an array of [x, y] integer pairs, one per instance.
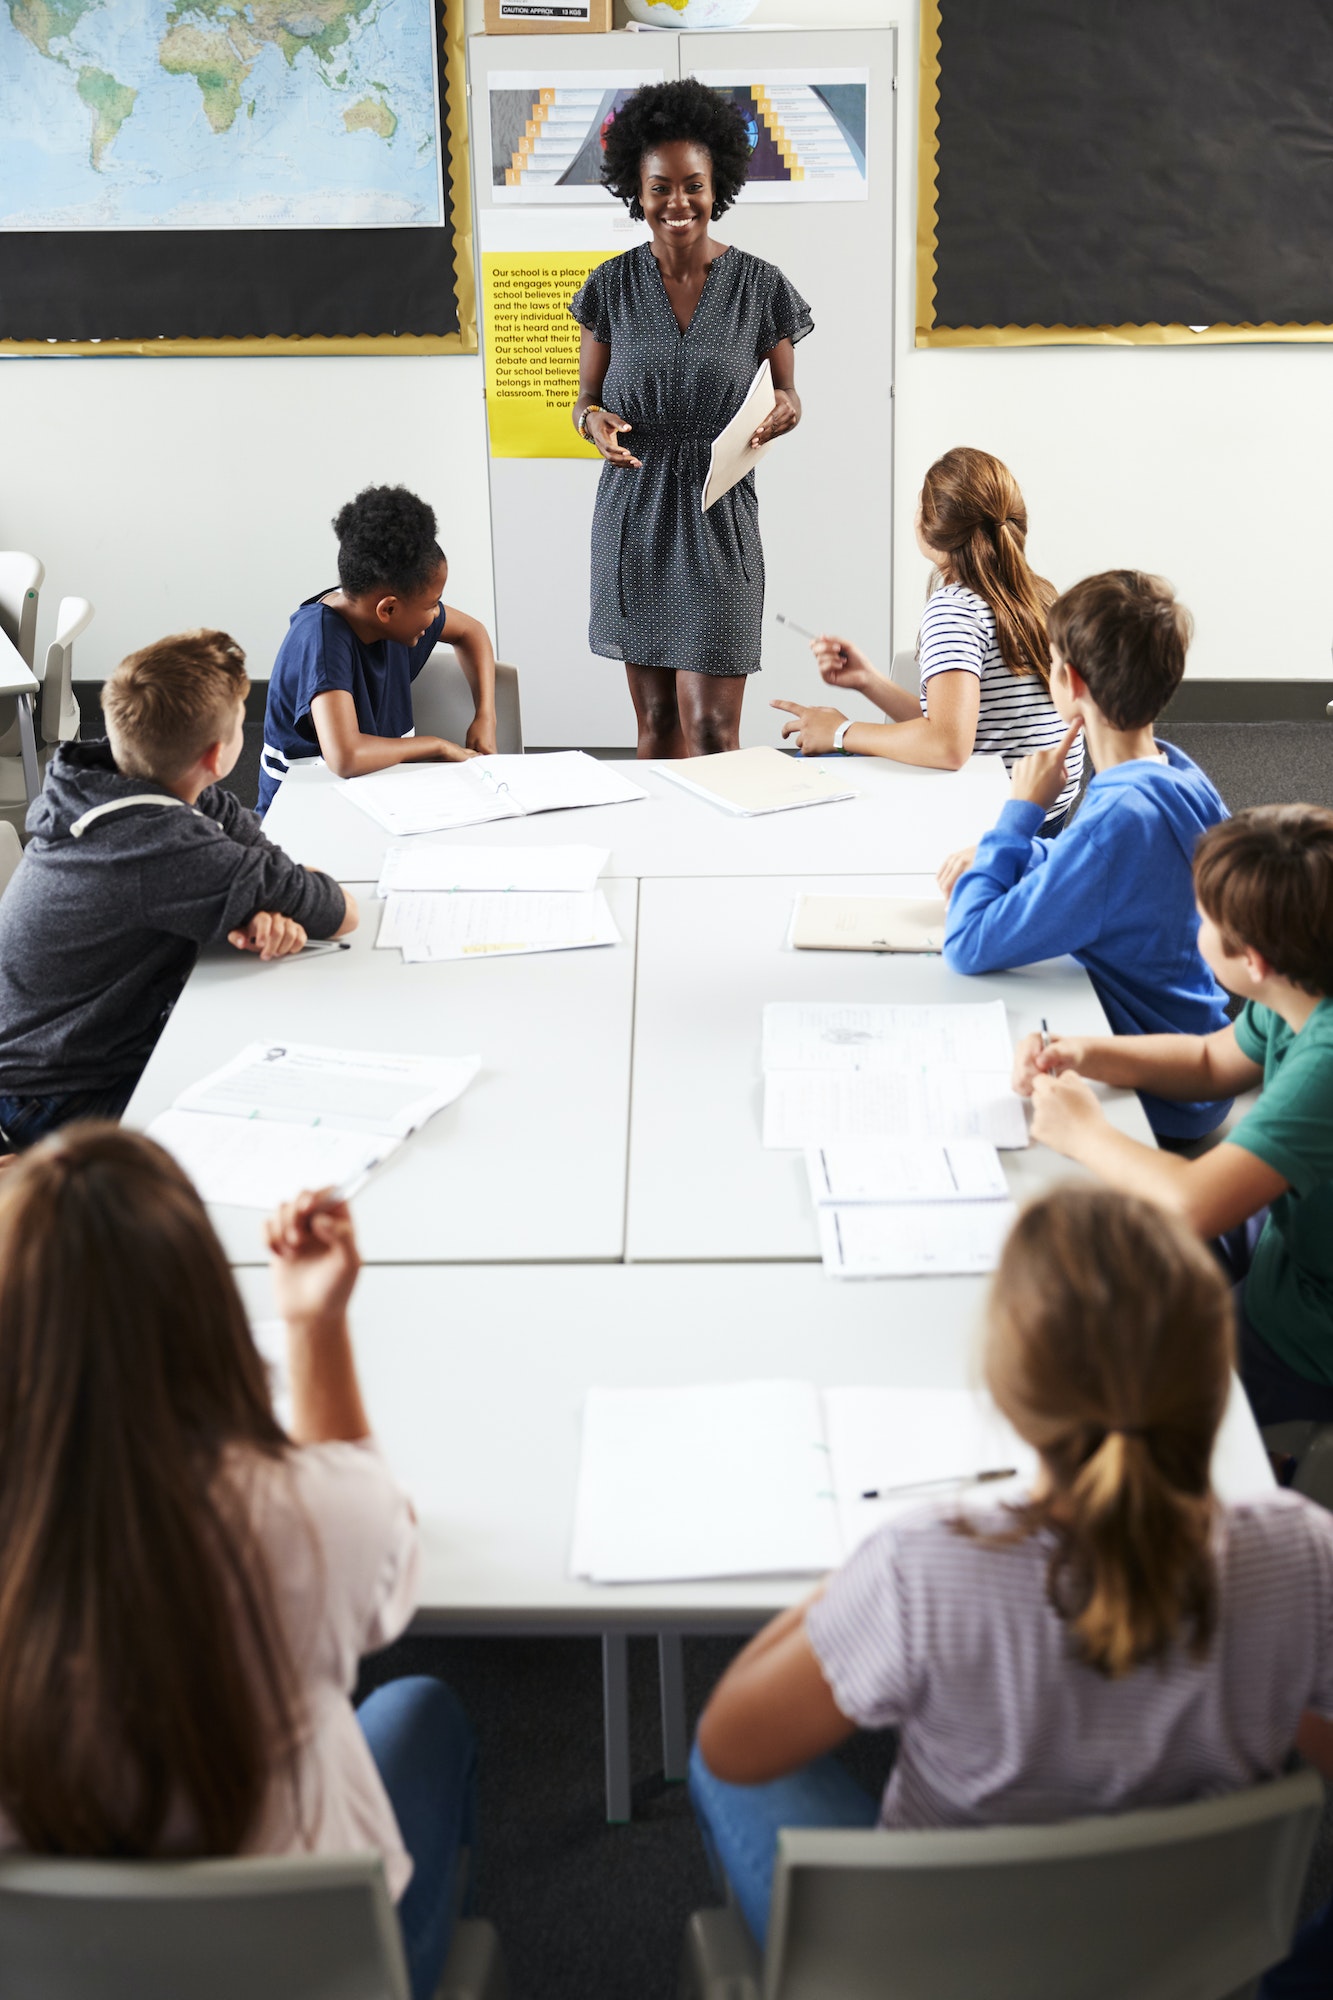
{"points": [[951, 638], [860, 1632]]}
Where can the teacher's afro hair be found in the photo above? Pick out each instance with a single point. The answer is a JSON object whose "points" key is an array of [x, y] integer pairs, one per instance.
{"points": [[386, 540], [660, 114]]}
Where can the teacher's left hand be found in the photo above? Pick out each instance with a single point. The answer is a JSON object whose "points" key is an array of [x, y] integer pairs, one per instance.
{"points": [[783, 417], [813, 728]]}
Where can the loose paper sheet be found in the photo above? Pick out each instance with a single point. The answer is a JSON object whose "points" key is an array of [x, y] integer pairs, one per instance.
{"points": [[732, 455], [835, 1035], [816, 1107], [356, 1090], [420, 866], [730, 1479], [880, 1437], [913, 1239], [880, 1170], [249, 1163], [431, 927]]}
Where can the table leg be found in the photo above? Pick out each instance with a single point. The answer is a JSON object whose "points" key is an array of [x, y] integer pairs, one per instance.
{"points": [[615, 1707], [32, 777], [675, 1734]]}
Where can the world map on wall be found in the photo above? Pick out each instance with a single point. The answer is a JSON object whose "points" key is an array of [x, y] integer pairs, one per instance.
{"points": [[218, 114]]}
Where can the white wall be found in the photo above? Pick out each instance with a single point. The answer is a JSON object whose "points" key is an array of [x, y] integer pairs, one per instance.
{"points": [[182, 492]]}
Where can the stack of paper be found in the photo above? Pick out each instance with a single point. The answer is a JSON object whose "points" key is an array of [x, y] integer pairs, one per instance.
{"points": [[897, 1209], [283, 1117], [839, 1071], [750, 782], [433, 798], [426, 928], [772, 1478]]}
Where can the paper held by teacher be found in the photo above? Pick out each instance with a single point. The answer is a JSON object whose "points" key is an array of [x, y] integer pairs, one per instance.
{"points": [[733, 455]]}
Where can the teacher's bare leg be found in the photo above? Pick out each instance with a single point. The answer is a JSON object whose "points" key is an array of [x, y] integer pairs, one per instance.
{"points": [[710, 711], [653, 692]]}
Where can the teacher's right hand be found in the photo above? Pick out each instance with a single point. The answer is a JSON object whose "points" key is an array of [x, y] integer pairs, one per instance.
{"points": [[604, 428]]}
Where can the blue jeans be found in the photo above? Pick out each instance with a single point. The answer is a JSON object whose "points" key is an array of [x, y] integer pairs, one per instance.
{"points": [[25, 1120], [740, 1824], [1308, 1973], [424, 1751]]}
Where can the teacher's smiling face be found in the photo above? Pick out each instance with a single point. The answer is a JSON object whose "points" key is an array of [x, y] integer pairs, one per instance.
{"points": [[676, 191]]}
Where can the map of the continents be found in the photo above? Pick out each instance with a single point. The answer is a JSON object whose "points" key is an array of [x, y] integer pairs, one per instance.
{"points": [[218, 114]]}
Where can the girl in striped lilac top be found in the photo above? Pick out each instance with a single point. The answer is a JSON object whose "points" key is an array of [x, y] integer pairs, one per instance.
{"points": [[1117, 1640], [982, 651]]}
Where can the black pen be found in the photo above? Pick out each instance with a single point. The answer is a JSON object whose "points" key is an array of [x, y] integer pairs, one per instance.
{"points": [[930, 1485]]}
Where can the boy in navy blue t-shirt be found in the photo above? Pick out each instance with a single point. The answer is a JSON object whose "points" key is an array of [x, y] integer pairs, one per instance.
{"points": [[341, 687], [1116, 889]]}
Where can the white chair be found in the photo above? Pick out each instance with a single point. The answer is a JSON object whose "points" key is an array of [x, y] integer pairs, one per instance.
{"points": [[306, 1927], [442, 702], [11, 853], [1189, 1903], [21, 578], [59, 722]]}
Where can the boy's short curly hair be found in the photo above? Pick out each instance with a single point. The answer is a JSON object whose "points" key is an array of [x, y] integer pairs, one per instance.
{"points": [[661, 114], [386, 539]]}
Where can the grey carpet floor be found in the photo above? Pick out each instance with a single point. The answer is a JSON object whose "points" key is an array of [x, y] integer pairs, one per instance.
{"points": [[589, 1911]]}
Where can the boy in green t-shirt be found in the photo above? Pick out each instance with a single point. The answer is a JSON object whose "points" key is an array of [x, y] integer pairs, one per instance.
{"points": [[1264, 884]]}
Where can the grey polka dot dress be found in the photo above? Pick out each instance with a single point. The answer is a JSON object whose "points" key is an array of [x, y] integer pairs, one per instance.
{"points": [[672, 586]]}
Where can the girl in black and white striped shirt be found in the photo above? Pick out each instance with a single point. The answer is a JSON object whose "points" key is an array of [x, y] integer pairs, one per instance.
{"points": [[982, 647]]}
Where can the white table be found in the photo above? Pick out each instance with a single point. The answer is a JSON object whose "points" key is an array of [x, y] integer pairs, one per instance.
{"points": [[475, 1379], [710, 955], [17, 678], [905, 820], [529, 1164]]}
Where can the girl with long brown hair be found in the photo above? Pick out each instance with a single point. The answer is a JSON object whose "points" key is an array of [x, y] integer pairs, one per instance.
{"points": [[1116, 1639], [982, 650], [186, 1589]]}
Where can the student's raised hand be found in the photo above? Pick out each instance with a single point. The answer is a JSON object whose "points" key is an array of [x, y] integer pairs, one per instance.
{"points": [[480, 738], [1031, 1059], [604, 429], [1041, 776], [955, 866], [268, 935], [840, 663], [1064, 1108], [813, 728], [313, 1258]]}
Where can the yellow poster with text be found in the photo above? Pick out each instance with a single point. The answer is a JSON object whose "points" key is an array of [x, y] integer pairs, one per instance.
{"points": [[532, 350]]}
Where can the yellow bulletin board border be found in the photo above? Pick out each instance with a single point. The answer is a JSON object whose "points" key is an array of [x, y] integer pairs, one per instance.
{"points": [[458, 138], [928, 334]]}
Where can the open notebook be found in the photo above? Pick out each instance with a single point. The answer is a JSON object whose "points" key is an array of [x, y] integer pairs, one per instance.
{"points": [[767, 1478], [284, 1116], [843, 1070], [433, 798]]}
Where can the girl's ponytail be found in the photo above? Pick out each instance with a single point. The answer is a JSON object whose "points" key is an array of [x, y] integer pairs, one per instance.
{"points": [[1110, 1350], [973, 512]]}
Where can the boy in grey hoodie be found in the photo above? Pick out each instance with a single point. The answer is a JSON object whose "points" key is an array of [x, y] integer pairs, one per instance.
{"points": [[137, 858]]}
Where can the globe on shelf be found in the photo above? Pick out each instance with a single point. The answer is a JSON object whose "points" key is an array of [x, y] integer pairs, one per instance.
{"points": [[691, 13]]}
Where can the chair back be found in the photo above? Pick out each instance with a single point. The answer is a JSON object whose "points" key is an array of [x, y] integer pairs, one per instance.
{"points": [[21, 578], [1185, 1903], [11, 853], [60, 711], [442, 702], [305, 1927]]}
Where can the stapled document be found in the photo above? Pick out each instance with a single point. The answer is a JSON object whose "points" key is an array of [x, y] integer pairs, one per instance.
{"points": [[732, 455]]}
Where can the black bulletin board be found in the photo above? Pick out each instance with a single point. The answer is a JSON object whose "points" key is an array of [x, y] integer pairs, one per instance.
{"points": [[260, 291], [1134, 170]]}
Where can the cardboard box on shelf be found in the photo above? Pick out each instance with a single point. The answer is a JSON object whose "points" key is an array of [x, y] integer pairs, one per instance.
{"points": [[549, 17]]}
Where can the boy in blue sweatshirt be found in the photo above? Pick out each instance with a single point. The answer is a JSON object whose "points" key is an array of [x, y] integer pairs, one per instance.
{"points": [[1116, 889]]}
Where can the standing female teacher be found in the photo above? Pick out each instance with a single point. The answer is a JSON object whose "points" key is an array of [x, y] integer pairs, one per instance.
{"points": [[673, 332]]}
